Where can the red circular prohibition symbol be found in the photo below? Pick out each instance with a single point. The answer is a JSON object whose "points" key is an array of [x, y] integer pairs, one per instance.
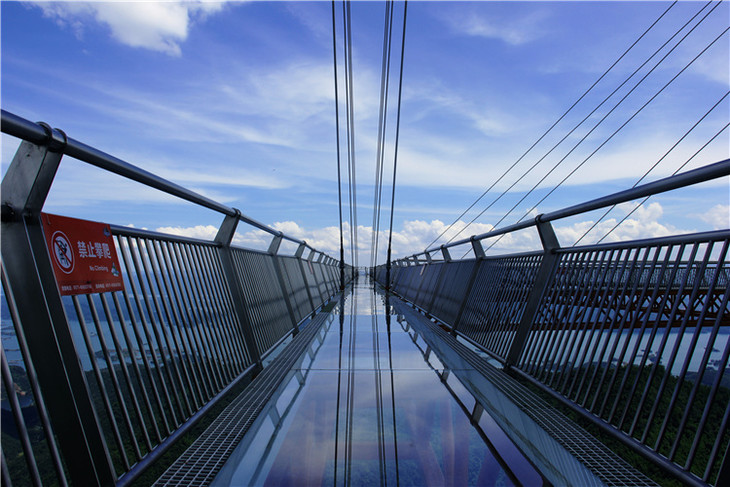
{"points": [[62, 252]]}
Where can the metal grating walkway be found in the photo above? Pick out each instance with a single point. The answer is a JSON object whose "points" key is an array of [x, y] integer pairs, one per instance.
{"points": [[202, 461]]}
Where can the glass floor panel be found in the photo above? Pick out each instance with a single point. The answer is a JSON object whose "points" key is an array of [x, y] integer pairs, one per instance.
{"points": [[369, 405]]}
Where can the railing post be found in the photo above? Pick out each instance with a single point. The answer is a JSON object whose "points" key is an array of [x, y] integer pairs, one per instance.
{"points": [[298, 255], [478, 248], [300, 250], [544, 273], [446, 254], [50, 342], [479, 256], [273, 249], [224, 237], [275, 244], [324, 269], [439, 280], [420, 284], [322, 262]]}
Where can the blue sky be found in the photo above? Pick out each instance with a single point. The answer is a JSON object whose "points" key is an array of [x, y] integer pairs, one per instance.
{"points": [[236, 101]]}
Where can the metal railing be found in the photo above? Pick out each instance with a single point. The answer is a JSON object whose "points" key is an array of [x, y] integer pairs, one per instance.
{"points": [[634, 336], [98, 386]]}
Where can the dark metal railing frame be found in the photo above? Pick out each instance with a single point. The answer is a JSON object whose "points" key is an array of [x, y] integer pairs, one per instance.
{"points": [[28, 271], [551, 251]]}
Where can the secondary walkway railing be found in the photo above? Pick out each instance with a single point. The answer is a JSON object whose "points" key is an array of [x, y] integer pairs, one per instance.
{"points": [[97, 386], [634, 336]]}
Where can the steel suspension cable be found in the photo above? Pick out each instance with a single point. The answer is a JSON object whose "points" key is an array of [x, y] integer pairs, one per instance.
{"points": [[614, 133], [351, 124], [383, 110], [674, 173], [339, 170], [397, 136], [590, 114], [382, 152], [599, 220], [350, 187], [554, 124]]}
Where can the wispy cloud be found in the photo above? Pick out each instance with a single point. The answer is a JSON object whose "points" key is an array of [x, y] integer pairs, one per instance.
{"points": [[718, 216], [203, 232], [644, 222], [240, 103], [159, 26], [429, 97], [312, 19], [514, 31], [265, 111]]}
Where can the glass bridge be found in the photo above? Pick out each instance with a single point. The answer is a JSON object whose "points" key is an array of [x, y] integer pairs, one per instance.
{"points": [[479, 370]]}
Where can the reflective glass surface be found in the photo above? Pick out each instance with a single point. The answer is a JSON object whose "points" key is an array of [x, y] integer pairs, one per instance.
{"points": [[371, 404]]}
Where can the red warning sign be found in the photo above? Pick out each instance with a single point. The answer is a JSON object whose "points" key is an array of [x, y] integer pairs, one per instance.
{"points": [[83, 254]]}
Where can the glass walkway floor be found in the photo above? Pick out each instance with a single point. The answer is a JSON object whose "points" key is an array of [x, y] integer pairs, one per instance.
{"points": [[373, 393], [369, 404]]}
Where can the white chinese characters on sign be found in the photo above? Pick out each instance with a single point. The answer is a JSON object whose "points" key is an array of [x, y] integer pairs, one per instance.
{"points": [[91, 250]]}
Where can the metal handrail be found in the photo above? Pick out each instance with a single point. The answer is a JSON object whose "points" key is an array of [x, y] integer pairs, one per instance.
{"points": [[590, 326], [56, 140], [702, 174], [193, 320]]}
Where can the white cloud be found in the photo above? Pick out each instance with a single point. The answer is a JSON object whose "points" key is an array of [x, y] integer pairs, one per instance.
{"points": [[312, 19], [231, 105], [159, 26], [203, 232], [643, 223], [241, 178], [416, 235], [513, 31], [718, 216], [326, 239], [78, 185], [269, 92]]}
